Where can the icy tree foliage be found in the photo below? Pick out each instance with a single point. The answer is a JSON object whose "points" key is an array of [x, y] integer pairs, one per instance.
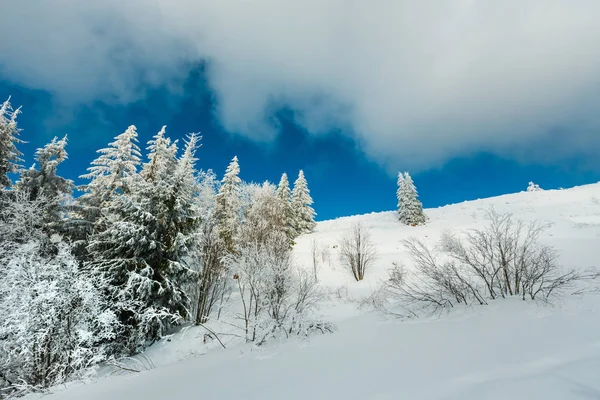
{"points": [[112, 172], [142, 250], [146, 247], [304, 214], [54, 321], [286, 213], [45, 181], [410, 209], [277, 299], [10, 156], [262, 215], [211, 284], [161, 156], [228, 204]]}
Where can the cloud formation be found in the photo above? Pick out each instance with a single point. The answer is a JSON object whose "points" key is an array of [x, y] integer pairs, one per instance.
{"points": [[415, 82]]}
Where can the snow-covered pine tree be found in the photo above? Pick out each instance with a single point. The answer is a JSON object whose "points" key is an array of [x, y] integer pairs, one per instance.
{"points": [[228, 205], [286, 214], [111, 173], [10, 156], [410, 209], [162, 155], [142, 250], [45, 181], [304, 214]]}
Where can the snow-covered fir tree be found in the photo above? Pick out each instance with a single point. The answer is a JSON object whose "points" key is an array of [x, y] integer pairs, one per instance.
{"points": [[111, 173], [142, 250], [162, 155], [410, 209], [228, 204], [304, 214], [46, 181], [10, 156], [286, 214]]}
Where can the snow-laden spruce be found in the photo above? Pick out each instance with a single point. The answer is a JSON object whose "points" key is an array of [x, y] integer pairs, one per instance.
{"points": [[228, 204], [304, 214], [44, 180], [410, 209], [284, 195], [10, 156], [161, 156], [143, 247], [111, 173]]}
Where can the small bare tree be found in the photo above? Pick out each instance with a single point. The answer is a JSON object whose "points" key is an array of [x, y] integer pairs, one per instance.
{"points": [[276, 298], [314, 252], [357, 252]]}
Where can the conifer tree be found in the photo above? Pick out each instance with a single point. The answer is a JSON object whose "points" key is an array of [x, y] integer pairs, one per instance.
{"points": [[286, 214], [111, 173], [47, 183], [410, 209], [304, 214], [143, 248], [10, 156], [228, 204], [162, 156]]}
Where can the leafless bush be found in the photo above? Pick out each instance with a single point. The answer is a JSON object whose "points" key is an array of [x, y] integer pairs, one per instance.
{"points": [[276, 298], [357, 252], [433, 284], [505, 258]]}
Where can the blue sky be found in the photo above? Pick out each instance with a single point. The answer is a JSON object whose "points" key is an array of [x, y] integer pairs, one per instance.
{"points": [[471, 106]]}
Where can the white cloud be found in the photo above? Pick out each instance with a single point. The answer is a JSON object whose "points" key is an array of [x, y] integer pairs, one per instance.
{"points": [[416, 82]]}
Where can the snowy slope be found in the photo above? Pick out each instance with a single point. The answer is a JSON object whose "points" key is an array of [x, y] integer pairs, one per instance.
{"points": [[509, 349]]}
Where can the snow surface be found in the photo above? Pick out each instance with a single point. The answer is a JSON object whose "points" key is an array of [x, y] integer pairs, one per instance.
{"points": [[508, 349]]}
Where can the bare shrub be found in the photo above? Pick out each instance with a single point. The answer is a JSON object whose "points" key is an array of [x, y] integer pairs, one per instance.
{"points": [[432, 285], [505, 258], [357, 252], [276, 298]]}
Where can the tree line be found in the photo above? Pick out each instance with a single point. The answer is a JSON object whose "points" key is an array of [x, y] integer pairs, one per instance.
{"points": [[151, 242]]}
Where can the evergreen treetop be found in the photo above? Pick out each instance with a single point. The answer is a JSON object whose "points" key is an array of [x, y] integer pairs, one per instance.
{"points": [[410, 209]]}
